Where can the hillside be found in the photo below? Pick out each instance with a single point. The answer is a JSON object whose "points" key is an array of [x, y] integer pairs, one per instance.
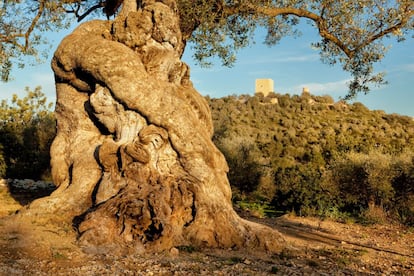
{"points": [[312, 155], [312, 124]]}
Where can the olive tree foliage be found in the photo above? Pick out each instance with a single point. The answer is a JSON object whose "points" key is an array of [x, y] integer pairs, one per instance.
{"points": [[351, 32], [22, 28]]}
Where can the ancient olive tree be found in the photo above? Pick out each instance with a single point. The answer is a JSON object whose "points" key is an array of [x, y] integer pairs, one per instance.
{"points": [[133, 158]]}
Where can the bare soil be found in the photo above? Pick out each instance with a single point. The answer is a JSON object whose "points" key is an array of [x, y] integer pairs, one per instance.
{"points": [[313, 247]]}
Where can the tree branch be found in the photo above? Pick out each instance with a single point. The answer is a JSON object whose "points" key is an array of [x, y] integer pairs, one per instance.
{"points": [[322, 24], [85, 14], [391, 29], [12, 39], [91, 9], [318, 19], [33, 24]]}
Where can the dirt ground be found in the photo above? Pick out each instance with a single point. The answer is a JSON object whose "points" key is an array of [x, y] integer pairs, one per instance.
{"points": [[313, 247]]}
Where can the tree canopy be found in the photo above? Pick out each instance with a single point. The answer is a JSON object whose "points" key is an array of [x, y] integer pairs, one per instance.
{"points": [[351, 32]]}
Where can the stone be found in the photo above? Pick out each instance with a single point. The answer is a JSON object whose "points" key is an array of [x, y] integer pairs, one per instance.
{"points": [[174, 252]]}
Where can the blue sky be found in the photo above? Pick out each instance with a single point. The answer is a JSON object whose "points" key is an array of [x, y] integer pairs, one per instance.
{"points": [[292, 64]]}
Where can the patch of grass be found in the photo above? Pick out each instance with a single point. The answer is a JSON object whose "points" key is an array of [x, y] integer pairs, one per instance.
{"points": [[335, 214], [346, 257], [361, 252], [286, 254], [312, 263], [373, 215], [274, 270], [343, 261], [57, 252], [258, 209], [235, 260], [342, 257], [402, 259], [187, 248], [254, 208], [59, 256], [324, 252]]}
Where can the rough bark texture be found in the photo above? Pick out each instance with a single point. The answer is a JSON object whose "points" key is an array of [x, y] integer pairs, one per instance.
{"points": [[133, 156]]}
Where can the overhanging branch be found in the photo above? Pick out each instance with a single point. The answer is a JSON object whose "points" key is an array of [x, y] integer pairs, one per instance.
{"points": [[409, 12], [33, 24], [318, 19], [322, 23], [80, 17]]}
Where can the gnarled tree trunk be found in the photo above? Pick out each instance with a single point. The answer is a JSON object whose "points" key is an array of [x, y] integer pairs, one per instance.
{"points": [[133, 157]]}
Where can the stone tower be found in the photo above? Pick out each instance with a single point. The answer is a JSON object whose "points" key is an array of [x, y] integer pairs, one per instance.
{"points": [[264, 86]]}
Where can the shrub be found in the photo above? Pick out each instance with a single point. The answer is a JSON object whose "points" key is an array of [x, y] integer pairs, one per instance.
{"points": [[403, 184], [362, 180], [302, 189], [244, 173]]}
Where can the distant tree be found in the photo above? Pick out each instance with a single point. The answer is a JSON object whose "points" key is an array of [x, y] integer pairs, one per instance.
{"points": [[301, 189], [351, 31], [27, 128], [245, 170], [364, 180]]}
